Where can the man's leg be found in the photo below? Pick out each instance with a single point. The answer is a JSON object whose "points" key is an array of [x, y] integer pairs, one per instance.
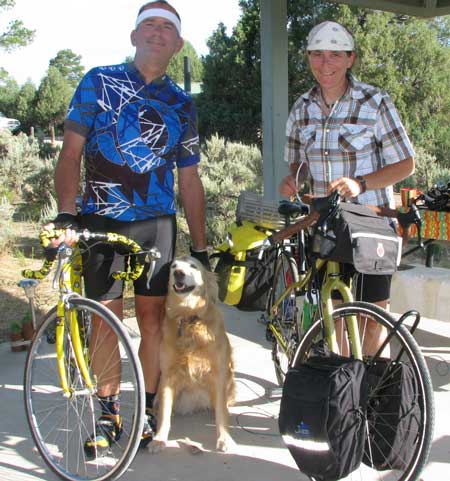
{"points": [[106, 366], [149, 314], [105, 352]]}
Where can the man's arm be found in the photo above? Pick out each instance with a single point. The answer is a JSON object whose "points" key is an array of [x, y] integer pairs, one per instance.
{"points": [[67, 172], [192, 197]]}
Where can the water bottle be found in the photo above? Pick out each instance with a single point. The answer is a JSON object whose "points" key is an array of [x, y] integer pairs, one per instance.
{"points": [[309, 309]]}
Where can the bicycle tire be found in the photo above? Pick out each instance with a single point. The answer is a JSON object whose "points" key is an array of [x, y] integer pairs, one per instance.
{"points": [[402, 339], [60, 425], [285, 320]]}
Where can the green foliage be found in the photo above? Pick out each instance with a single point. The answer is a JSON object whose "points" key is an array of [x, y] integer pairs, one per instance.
{"points": [[7, 231], [25, 105], [53, 98], [39, 201], [227, 168], [176, 65], [26, 180], [69, 65], [19, 158], [230, 102], [428, 172], [16, 34], [9, 91], [15, 327]]}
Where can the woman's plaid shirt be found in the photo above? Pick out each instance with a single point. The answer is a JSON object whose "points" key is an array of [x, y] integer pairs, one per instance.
{"points": [[362, 134]]}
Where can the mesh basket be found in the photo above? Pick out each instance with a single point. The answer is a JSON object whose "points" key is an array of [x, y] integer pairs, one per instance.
{"points": [[254, 208]]}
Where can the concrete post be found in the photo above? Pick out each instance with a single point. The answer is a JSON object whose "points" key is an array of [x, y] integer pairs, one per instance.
{"points": [[274, 75]]}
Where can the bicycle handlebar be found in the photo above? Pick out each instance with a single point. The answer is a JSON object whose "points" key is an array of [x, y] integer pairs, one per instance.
{"points": [[136, 266], [324, 207]]}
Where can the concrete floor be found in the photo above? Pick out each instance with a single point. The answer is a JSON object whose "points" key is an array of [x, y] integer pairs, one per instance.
{"points": [[259, 454]]}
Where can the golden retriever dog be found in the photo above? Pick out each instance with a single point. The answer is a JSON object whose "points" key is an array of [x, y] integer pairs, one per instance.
{"points": [[196, 362]]}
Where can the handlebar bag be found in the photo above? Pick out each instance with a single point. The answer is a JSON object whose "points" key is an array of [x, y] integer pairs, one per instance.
{"points": [[322, 416], [393, 415], [356, 235]]}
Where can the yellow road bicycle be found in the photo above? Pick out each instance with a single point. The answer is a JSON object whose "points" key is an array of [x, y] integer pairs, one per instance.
{"points": [[300, 313], [62, 379]]}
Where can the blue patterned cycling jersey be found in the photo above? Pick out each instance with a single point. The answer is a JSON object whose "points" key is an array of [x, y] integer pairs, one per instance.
{"points": [[136, 134]]}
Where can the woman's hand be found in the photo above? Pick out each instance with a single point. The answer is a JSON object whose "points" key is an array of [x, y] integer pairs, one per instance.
{"points": [[287, 187], [347, 187]]}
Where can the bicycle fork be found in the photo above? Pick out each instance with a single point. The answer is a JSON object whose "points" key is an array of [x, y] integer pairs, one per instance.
{"points": [[334, 283], [67, 319]]}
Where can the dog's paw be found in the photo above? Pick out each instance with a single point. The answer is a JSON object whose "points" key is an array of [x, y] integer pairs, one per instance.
{"points": [[156, 446], [225, 443]]}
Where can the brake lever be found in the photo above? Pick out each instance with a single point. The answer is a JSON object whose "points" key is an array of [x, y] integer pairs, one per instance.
{"points": [[152, 255]]}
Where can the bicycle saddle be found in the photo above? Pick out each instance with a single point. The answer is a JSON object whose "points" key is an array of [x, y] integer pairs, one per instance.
{"points": [[292, 209]]}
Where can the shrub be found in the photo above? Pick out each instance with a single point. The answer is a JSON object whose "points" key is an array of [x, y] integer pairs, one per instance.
{"points": [[428, 172], [19, 159], [7, 230], [37, 191], [226, 168]]}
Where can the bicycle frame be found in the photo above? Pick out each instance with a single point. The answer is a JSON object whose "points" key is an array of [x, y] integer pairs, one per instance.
{"points": [[333, 282]]}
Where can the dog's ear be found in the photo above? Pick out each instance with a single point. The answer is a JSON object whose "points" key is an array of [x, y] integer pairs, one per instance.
{"points": [[212, 286]]}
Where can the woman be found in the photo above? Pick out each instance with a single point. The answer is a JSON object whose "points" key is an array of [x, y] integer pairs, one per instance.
{"points": [[346, 136]]}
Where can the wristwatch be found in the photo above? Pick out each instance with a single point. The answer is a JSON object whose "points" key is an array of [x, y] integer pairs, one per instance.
{"points": [[362, 183]]}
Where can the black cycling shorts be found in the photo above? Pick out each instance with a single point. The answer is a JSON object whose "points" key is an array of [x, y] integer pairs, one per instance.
{"points": [[101, 260], [365, 287]]}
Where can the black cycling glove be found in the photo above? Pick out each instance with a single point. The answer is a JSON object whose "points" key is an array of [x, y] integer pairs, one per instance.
{"points": [[203, 257], [64, 220]]}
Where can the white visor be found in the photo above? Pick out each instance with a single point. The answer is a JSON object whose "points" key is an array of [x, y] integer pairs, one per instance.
{"points": [[330, 36], [159, 12]]}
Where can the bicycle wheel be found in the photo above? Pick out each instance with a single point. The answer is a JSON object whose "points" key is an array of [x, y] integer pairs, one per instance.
{"points": [[284, 316], [403, 349], [61, 424]]}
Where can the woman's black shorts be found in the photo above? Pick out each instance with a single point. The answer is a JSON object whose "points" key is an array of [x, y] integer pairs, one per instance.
{"points": [[365, 287], [101, 260]]}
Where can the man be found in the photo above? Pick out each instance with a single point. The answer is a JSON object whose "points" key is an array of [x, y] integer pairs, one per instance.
{"points": [[134, 126], [347, 136]]}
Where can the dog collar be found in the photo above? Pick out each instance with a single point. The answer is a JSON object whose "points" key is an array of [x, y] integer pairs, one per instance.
{"points": [[185, 320]]}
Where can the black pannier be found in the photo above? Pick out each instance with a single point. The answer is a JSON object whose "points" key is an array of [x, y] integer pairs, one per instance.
{"points": [[393, 415], [322, 416], [356, 235]]}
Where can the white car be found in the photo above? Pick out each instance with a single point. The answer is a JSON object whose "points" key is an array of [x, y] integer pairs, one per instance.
{"points": [[10, 124]]}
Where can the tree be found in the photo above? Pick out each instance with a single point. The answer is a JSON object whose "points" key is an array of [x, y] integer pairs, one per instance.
{"points": [[9, 90], [230, 102], [53, 98], [25, 105], [176, 65], [16, 34], [69, 64]]}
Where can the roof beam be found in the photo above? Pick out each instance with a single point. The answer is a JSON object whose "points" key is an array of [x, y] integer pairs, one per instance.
{"points": [[418, 8]]}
